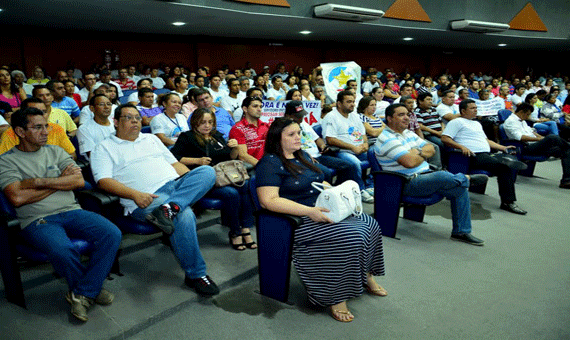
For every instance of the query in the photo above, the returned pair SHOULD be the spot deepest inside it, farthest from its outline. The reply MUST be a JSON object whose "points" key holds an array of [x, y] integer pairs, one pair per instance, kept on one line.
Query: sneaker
{"points": [[370, 191], [104, 298], [79, 305], [203, 285], [162, 217], [366, 197]]}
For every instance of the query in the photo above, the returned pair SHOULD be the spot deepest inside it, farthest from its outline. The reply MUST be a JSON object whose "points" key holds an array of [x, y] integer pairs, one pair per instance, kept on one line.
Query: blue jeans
{"points": [[546, 128], [344, 169], [355, 161], [453, 187], [237, 207], [184, 191], [51, 235]]}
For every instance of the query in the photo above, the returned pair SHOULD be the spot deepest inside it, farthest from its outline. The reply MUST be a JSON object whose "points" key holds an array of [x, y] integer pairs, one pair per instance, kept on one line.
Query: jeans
{"points": [[184, 191], [453, 187], [237, 207], [555, 146], [545, 128], [345, 170], [51, 235], [355, 161]]}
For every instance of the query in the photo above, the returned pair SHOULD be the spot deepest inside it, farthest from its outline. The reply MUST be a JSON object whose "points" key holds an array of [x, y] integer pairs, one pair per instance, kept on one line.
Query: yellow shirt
{"points": [[63, 119], [56, 136]]}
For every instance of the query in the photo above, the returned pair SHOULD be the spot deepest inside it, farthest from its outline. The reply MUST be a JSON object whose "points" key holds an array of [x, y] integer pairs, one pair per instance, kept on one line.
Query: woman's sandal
{"points": [[378, 292], [237, 246], [251, 244], [344, 312]]}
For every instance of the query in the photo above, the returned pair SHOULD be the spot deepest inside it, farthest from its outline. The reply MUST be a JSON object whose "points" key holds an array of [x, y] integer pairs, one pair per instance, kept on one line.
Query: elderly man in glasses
{"points": [[154, 186]]}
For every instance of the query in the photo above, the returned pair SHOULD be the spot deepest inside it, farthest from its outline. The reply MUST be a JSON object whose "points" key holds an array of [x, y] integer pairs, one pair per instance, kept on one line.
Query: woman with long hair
{"points": [[336, 261], [10, 92], [204, 145], [372, 123]]}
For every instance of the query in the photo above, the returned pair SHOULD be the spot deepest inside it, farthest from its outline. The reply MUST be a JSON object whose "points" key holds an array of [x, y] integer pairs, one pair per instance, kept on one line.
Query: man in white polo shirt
{"points": [[154, 186], [98, 128]]}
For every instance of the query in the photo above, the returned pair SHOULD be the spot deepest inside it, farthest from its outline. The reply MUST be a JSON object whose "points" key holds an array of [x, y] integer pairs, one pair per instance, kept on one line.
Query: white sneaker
{"points": [[366, 197], [370, 191]]}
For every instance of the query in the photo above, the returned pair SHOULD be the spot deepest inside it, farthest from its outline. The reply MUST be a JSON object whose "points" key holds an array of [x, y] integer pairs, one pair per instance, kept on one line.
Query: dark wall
{"points": [[54, 49]]}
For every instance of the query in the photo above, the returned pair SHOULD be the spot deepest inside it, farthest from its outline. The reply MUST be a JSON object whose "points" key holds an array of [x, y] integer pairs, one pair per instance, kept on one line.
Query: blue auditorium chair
{"points": [[275, 234], [529, 160], [388, 197]]}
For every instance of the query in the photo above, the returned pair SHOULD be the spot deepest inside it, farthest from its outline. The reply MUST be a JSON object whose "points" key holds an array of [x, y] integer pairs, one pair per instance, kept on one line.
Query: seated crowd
{"points": [[152, 136]]}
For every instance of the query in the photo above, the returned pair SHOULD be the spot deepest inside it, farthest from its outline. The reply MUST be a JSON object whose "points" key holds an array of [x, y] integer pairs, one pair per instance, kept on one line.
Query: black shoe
{"points": [[161, 217], [477, 180], [467, 238], [565, 185], [203, 285], [513, 207]]}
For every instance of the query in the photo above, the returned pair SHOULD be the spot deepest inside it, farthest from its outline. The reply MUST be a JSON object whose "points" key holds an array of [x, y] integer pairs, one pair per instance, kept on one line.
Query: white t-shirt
{"points": [[443, 109], [237, 114], [181, 95], [516, 100], [217, 96], [368, 87], [90, 134], [144, 164], [308, 138], [171, 128], [86, 114], [381, 108], [3, 121], [277, 94], [349, 130], [134, 97], [158, 83], [468, 133], [515, 128], [84, 94], [230, 104], [119, 91]]}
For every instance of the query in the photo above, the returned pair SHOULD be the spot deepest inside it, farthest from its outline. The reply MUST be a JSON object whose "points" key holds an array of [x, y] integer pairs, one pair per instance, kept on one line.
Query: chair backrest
{"points": [[374, 165], [161, 91], [146, 129], [6, 206], [318, 130], [504, 114], [502, 133]]}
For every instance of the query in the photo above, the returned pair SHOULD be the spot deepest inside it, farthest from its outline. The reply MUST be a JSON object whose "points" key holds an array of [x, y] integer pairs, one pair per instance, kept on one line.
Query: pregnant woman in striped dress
{"points": [[336, 261]]}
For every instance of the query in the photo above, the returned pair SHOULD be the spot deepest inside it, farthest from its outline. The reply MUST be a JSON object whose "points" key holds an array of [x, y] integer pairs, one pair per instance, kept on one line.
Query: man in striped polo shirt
{"points": [[429, 120], [399, 149]]}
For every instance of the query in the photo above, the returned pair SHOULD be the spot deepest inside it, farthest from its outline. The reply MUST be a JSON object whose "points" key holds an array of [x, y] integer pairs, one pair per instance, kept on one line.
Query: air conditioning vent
{"points": [[478, 26], [341, 12]]}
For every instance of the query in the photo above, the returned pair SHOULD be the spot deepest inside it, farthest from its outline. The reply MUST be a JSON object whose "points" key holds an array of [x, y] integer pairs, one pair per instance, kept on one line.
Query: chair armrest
{"points": [[331, 150], [296, 221], [401, 176], [11, 221], [100, 197]]}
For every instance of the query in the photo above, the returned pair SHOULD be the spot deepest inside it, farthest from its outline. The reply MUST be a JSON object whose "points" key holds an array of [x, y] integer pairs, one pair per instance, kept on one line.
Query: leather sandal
{"points": [[249, 244], [236, 246], [378, 292], [334, 313]]}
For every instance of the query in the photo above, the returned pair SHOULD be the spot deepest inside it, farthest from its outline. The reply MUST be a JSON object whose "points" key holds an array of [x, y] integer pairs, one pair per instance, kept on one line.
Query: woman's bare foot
{"points": [[247, 239], [374, 288], [341, 313]]}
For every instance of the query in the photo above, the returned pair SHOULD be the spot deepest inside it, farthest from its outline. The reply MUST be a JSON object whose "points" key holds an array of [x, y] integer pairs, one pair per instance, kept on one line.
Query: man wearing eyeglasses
{"points": [[98, 128], [56, 134], [38, 180], [154, 186]]}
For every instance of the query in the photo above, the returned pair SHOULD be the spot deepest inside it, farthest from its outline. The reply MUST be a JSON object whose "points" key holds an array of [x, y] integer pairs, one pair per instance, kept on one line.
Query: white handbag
{"points": [[342, 200]]}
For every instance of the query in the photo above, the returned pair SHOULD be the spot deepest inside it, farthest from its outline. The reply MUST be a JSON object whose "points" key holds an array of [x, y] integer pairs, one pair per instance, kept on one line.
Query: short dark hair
{"points": [[422, 96], [119, 110], [20, 117], [464, 103], [144, 91], [250, 91], [340, 96], [444, 93], [51, 84], [92, 100], [524, 107], [199, 92], [37, 88], [231, 81], [405, 86], [349, 81], [27, 102], [274, 79], [520, 86], [247, 101], [392, 108], [177, 80], [143, 79]]}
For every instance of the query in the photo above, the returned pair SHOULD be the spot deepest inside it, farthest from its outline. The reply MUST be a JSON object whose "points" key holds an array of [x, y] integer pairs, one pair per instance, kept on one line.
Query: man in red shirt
{"points": [[124, 81], [250, 131]]}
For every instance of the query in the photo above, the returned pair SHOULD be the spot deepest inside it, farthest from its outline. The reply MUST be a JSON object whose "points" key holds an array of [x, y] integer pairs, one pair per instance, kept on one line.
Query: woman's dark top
{"points": [[216, 148], [270, 172]]}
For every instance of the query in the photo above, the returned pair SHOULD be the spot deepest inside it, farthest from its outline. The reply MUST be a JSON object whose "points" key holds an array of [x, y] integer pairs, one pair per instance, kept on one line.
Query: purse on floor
{"points": [[230, 173], [342, 201]]}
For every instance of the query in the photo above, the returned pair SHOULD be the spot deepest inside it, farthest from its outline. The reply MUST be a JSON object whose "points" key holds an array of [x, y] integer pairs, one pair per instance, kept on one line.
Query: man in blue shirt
{"points": [[224, 121], [60, 101]]}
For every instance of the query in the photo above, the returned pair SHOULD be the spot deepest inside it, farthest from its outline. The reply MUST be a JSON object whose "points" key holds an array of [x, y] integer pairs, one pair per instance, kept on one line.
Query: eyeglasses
{"points": [[107, 105], [129, 118], [38, 128]]}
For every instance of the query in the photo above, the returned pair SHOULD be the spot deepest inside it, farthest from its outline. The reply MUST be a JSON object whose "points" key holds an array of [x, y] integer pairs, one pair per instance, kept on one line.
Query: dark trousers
{"points": [[554, 146], [505, 175]]}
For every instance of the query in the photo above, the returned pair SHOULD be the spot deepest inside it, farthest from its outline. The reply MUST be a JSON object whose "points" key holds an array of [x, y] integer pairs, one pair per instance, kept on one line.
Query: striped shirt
{"points": [[376, 123], [390, 146], [429, 118]]}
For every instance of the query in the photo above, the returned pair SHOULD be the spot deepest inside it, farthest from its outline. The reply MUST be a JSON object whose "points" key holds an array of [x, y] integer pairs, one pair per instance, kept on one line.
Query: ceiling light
{"points": [[305, 32], [502, 45], [408, 38], [179, 23]]}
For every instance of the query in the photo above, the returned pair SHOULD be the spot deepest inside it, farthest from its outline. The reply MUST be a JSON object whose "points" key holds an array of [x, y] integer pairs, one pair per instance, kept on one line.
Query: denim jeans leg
{"points": [[230, 206], [356, 169], [185, 244], [193, 186], [453, 187], [52, 238]]}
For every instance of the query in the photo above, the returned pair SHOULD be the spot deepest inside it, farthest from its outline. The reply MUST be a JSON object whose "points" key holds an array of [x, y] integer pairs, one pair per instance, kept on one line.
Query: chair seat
{"points": [[534, 158], [423, 200], [131, 226], [210, 203]]}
